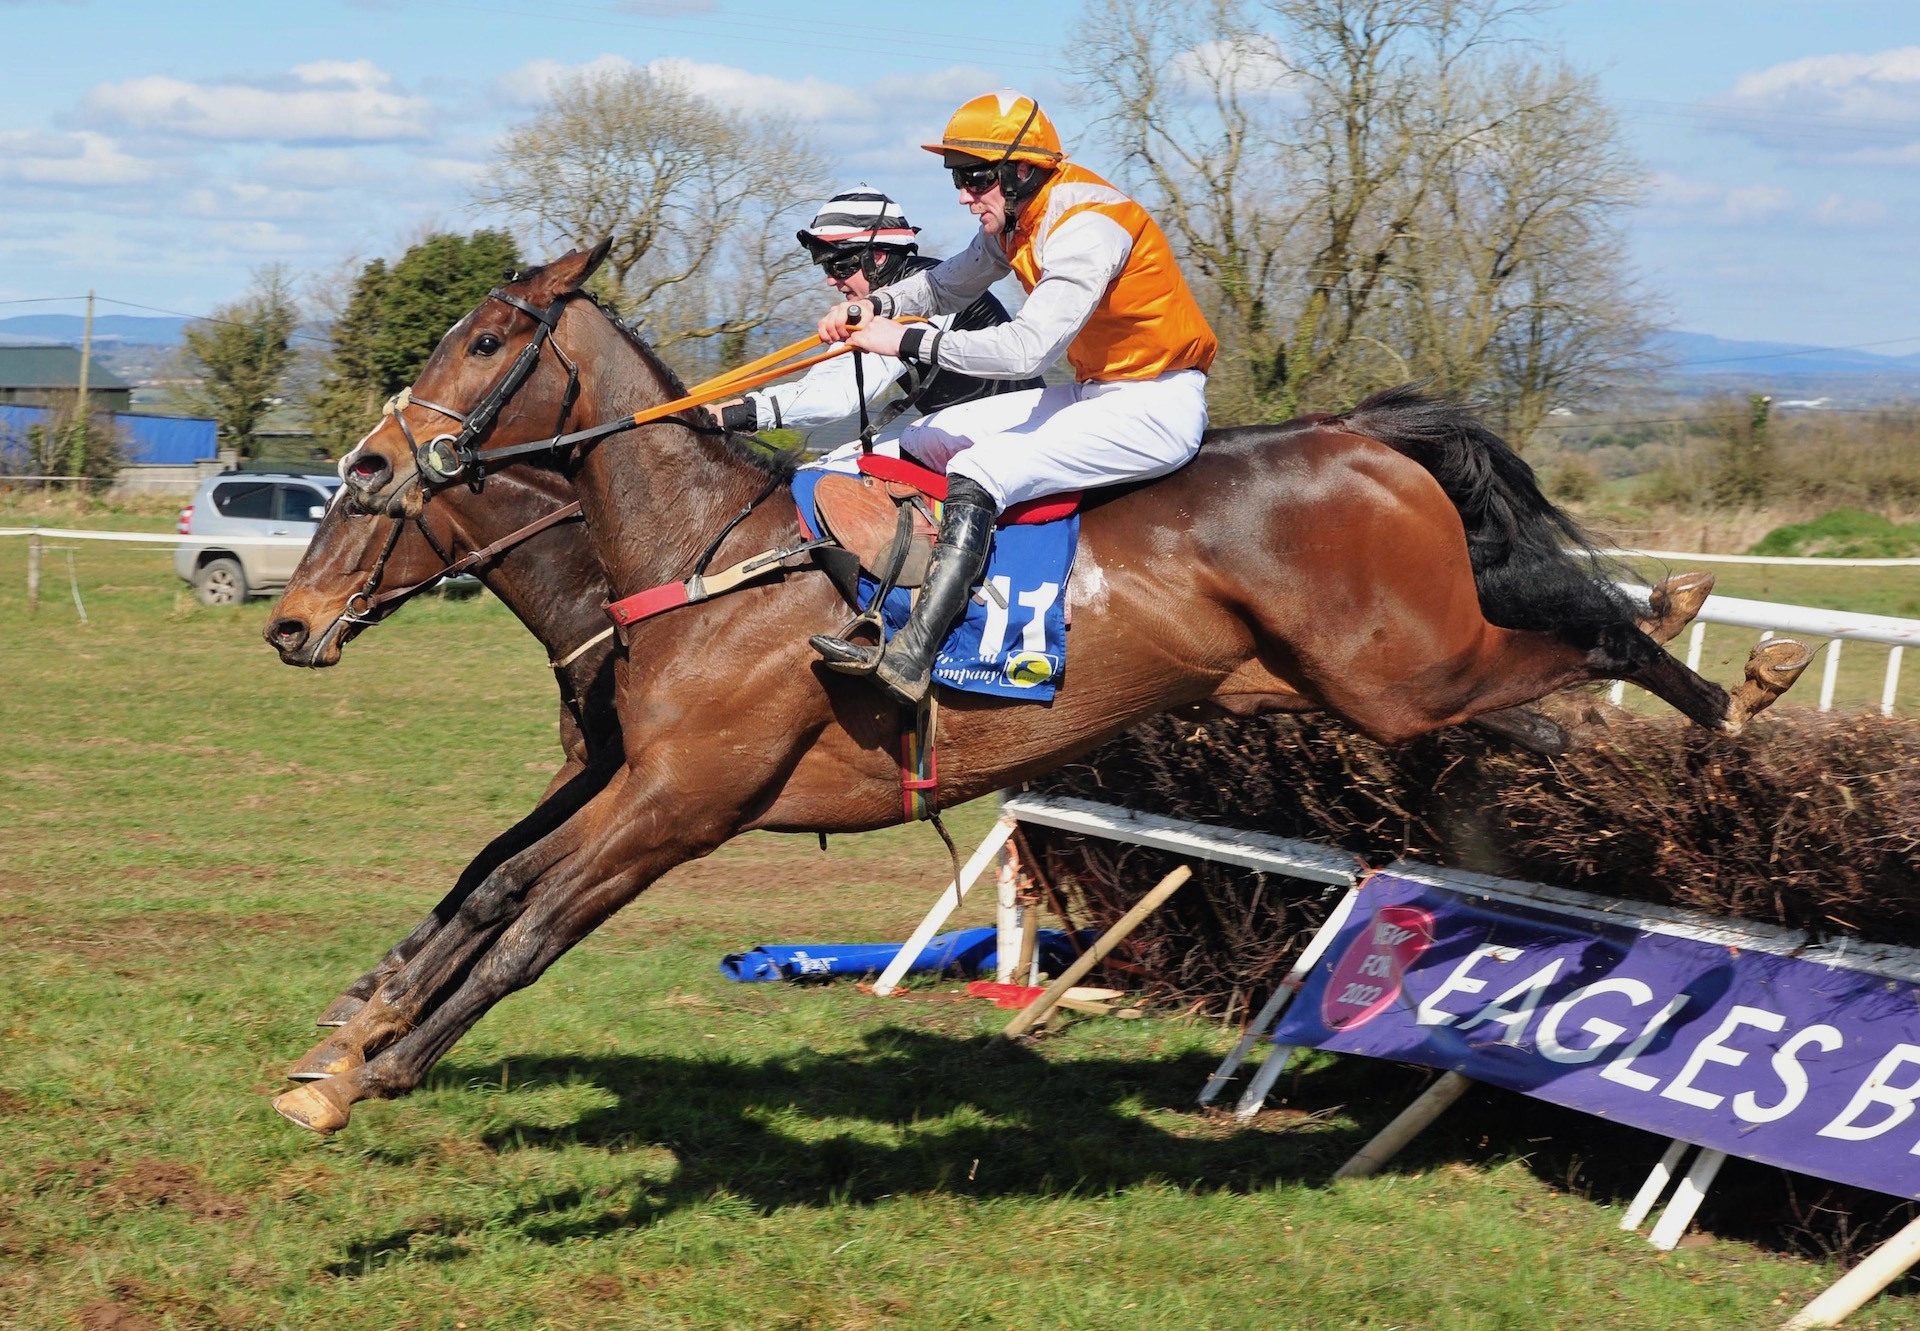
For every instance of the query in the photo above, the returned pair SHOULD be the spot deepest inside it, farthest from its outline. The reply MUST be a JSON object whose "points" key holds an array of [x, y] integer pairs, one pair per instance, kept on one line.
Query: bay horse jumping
{"points": [[526, 544], [1395, 564]]}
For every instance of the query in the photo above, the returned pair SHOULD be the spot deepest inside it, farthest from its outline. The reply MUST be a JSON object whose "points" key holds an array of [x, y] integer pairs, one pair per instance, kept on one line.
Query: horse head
{"points": [[498, 373], [360, 568]]}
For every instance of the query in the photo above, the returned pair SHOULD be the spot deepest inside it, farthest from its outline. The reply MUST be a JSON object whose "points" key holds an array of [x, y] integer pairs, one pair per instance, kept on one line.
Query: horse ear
{"points": [[567, 273], [595, 257]]}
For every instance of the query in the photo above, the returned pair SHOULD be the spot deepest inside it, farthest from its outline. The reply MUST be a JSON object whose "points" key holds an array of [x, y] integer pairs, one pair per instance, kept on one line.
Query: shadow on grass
{"points": [[908, 1112]]}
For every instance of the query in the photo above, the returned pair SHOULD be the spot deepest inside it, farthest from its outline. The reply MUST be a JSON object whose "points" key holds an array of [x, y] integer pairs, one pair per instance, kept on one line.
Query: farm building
{"points": [[36, 376]]}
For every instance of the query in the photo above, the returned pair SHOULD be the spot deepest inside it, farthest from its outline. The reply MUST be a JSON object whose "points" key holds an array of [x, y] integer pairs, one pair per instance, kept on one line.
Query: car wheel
{"points": [[220, 582]]}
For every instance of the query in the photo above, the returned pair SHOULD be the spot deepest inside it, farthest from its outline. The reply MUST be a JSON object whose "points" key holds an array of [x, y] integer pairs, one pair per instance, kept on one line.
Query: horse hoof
{"points": [[1771, 671], [314, 1108], [342, 1010], [1675, 602], [329, 1058], [1778, 663]]}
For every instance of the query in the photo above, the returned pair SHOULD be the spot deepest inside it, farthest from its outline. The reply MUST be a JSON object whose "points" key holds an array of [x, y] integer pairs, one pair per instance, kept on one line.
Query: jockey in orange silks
{"points": [[1103, 289]]}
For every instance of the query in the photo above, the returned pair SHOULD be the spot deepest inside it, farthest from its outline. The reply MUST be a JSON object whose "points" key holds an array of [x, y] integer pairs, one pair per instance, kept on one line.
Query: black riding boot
{"points": [[905, 664]]}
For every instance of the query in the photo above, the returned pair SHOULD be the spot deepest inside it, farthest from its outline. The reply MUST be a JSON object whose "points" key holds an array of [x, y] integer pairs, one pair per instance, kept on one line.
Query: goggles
{"points": [[840, 264], [976, 179]]}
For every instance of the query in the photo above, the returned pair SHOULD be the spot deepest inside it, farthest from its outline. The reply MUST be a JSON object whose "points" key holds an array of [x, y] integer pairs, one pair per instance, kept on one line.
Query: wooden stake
{"points": [[1881, 1268], [1415, 1117], [1112, 938]]}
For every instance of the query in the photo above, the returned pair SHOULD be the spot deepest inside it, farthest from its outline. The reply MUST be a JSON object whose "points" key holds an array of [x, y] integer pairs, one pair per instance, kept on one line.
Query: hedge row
{"points": [[1808, 821]]}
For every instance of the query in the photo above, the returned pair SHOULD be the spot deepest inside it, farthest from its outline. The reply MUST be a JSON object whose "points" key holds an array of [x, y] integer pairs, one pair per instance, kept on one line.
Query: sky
{"points": [[159, 153]]}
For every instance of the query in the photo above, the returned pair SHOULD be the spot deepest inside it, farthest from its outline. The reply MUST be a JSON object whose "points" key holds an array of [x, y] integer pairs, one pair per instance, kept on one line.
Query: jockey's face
{"points": [[854, 286], [990, 208]]}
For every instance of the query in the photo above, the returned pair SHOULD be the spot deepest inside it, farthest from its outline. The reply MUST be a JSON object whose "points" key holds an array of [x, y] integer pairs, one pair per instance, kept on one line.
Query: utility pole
{"points": [[77, 455]]}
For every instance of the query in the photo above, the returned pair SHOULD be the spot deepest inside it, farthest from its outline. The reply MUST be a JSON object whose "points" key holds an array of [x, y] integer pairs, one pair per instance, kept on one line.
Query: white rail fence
{"points": [[1838, 626]]}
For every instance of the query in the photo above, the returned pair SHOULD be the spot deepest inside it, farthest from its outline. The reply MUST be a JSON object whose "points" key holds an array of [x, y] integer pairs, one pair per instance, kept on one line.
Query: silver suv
{"points": [[224, 567]]}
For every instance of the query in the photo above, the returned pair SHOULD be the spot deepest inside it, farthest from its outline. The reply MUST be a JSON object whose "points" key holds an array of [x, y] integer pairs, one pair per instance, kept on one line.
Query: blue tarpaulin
{"points": [[974, 951], [166, 440]]}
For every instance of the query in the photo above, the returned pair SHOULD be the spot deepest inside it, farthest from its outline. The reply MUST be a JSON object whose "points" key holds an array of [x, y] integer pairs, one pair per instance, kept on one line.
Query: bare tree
{"points": [[690, 192], [1305, 153], [238, 357]]}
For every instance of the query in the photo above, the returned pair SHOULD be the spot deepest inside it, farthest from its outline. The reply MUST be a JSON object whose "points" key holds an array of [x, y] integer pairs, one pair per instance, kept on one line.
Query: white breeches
{"points": [[1043, 441]]}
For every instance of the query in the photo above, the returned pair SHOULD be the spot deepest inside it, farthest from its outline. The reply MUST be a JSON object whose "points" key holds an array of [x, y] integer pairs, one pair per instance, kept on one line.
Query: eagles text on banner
{"points": [[1804, 1064]]}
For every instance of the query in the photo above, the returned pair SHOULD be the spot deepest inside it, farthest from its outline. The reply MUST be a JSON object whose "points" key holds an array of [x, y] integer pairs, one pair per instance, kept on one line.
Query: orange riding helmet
{"points": [[1000, 126]]}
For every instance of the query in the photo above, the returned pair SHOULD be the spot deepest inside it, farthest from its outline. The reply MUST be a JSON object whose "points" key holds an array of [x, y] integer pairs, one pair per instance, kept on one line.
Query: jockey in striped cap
{"points": [[1104, 292], [862, 242]]}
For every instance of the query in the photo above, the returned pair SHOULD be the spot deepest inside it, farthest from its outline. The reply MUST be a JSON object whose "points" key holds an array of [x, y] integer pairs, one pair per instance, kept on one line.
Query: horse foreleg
{"points": [[628, 847], [571, 787]]}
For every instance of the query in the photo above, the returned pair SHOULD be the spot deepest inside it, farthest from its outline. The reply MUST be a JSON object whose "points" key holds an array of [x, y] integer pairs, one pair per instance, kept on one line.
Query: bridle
{"points": [[448, 457]]}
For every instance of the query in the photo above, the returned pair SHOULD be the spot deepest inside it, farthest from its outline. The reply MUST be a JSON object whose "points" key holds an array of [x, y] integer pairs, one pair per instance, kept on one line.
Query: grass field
{"points": [[201, 846]]}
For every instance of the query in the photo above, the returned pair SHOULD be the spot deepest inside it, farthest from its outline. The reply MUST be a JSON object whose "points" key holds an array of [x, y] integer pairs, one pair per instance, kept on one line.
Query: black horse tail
{"points": [[1534, 566]]}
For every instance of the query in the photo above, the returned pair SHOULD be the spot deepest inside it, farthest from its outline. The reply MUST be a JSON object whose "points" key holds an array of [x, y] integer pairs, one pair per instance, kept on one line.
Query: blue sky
{"points": [[159, 152]]}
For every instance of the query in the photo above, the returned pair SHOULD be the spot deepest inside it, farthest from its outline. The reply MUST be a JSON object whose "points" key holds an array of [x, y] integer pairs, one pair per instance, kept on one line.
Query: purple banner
{"points": [[1791, 1062]]}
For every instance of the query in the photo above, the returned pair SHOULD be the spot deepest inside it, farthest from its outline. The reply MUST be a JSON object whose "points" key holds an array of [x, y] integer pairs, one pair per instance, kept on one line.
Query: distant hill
{"points": [[1703, 353], [143, 330]]}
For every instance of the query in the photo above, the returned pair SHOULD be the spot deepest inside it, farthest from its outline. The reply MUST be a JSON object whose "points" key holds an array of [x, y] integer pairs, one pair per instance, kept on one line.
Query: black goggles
{"points": [[841, 264], [976, 179]]}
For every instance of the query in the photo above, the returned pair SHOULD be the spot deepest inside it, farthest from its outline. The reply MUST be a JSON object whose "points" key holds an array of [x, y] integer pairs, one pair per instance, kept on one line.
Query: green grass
{"points": [[1844, 533], [201, 846]]}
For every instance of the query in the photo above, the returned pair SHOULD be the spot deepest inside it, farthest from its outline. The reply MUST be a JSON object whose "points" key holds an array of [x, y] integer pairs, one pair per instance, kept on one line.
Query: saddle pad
{"points": [[1016, 652]]}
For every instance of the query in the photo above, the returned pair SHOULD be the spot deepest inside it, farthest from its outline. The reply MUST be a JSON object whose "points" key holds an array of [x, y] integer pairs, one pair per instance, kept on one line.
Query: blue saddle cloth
{"points": [[1016, 652]]}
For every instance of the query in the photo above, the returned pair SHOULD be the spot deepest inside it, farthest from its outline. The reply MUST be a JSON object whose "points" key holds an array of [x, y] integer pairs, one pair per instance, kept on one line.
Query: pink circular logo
{"points": [[1367, 978]]}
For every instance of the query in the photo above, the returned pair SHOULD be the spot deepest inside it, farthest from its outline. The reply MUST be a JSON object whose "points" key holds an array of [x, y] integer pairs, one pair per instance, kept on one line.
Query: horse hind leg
{"points": [[1771, 670], [1673, 603]]}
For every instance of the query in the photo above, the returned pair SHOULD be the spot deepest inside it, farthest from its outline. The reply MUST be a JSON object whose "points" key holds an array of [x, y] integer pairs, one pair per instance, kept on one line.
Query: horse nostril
{"points": [[368, 469], [287, 634]]}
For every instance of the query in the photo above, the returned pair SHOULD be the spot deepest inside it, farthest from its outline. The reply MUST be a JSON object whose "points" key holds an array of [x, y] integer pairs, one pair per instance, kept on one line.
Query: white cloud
{"points": [[313, 168], [1755, 203], [1678, 199], [262, 238], [325, 101], [1853, 108], [533, 83], [81, 158], [1251, 65], [1881, 85], [1837, 210]]}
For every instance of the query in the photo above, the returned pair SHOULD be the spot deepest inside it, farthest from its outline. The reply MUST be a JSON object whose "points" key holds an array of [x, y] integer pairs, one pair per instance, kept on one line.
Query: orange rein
{"points": [[774, 365]]}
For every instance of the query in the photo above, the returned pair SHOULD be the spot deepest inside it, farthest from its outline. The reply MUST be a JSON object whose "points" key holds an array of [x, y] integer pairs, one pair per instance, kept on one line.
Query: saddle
{"points": [[883, 518]]}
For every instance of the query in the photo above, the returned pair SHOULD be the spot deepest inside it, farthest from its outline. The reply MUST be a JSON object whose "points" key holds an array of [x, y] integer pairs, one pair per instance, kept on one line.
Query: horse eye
{"points": [[485, 344]]}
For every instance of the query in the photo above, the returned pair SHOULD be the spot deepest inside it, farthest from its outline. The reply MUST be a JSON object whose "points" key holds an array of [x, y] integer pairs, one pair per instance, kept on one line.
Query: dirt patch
{"points": [[109, 1315], [11, 1102], [162, 1183], [137, 1184]]}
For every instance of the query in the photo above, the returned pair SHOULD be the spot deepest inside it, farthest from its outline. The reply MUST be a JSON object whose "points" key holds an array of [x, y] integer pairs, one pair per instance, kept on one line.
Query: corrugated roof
{"points": [[51, 367]]}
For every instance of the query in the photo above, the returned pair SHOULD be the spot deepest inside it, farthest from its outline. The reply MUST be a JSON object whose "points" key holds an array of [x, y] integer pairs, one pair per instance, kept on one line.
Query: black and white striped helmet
{"points": [[858, 218]]}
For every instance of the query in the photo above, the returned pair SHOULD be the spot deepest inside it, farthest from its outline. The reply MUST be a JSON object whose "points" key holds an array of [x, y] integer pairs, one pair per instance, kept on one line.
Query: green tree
{"points": [[394, 318], [238, 357], [350, 395]]}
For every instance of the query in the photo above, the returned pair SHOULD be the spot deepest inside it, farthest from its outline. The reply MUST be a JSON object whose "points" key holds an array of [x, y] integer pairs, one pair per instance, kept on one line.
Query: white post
{"points": [[1893, 679], [943, 906], [1618, 693], [1412, 1120], [1830, 674], [1686, 1199], [1881, 1268], [1262, 1083], [1006, 915], [1696, 644], [1656, 1184]]}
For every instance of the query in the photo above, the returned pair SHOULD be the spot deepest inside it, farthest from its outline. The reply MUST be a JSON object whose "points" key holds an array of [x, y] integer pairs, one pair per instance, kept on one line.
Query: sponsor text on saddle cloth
{"points": [[1009, 645]]}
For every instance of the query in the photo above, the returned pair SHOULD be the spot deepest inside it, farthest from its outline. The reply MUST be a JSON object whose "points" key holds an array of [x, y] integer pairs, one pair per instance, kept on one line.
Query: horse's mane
{"points": [[778, 463]]}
